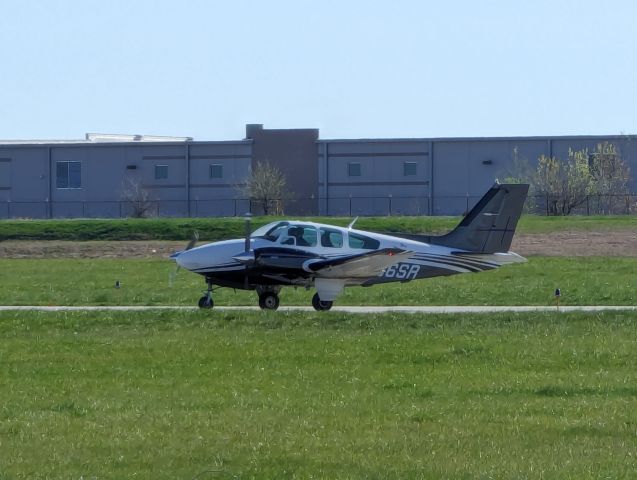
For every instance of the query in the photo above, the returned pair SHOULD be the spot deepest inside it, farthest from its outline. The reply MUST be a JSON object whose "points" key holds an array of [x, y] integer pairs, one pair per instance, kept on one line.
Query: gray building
{"points": [[101, 175]]}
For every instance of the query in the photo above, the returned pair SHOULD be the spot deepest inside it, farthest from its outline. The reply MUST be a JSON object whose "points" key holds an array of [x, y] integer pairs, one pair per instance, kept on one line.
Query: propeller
{"points": [[191, 244], [248, 230], [247, 257], [193, 240]]}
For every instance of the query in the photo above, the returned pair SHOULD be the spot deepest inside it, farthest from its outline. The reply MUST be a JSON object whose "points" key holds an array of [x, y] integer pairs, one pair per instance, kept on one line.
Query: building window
{"points": [[161, 172], [410, 169], [216, 171], [354, 169], [69, 174]]}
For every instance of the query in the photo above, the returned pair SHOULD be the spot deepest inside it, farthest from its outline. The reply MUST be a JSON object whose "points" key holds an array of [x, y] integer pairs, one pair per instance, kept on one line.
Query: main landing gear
{"points": [[319, 305], [269, 301], [268, 298]]}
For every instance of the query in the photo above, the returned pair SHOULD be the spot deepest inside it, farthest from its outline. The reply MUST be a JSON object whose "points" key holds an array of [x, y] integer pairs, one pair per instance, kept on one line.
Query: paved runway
{"points": [[347, 309]]}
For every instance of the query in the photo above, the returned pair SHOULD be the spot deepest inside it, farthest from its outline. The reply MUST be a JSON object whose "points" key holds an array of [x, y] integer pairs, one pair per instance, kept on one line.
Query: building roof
{"points": [[103, 138]]}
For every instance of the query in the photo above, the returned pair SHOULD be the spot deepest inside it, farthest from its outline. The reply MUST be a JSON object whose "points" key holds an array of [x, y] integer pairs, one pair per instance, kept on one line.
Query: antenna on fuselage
{"points": [[351, 224]]}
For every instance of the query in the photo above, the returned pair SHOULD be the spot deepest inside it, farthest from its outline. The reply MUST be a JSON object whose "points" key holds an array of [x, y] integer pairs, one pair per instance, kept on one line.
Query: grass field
{"points": [[315, 395], [222, 228], [583, 281], [273, 395]]}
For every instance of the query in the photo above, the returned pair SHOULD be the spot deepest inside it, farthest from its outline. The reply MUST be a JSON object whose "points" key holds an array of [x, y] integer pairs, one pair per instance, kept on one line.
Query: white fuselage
{"points": [[328, 241]]}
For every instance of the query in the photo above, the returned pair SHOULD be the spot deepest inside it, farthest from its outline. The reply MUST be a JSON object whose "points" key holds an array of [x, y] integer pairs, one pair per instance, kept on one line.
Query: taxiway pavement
{"points": [[343, 308]]}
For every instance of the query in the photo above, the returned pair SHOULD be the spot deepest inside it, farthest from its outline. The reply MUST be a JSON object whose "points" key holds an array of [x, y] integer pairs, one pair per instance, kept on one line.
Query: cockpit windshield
{"points": [[271, 231]]}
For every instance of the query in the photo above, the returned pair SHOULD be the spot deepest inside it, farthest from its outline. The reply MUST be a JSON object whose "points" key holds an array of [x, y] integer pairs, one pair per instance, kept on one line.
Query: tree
{"points": [[610, 175], [567, 183], [266, 187], [138, 198], [564, 183]]}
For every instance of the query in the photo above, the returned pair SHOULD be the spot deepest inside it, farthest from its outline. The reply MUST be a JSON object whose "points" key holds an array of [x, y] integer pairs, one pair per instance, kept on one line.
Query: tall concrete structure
{"points": [[294, 153], [95, 177]]}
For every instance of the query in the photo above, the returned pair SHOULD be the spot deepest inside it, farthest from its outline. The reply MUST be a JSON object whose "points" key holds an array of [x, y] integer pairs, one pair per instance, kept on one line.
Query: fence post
{"points": [[547, 204], [390, 204], [588, 211], [350, 205]]}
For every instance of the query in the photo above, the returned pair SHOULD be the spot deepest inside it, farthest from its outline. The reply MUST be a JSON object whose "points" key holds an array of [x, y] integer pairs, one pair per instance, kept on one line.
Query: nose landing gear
{"points": [[206, 302]]}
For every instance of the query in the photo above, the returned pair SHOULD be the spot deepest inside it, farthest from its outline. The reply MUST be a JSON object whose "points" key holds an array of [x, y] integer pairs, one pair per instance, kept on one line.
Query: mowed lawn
{"points": [[277, 395], [582, 280], [217, 228]]}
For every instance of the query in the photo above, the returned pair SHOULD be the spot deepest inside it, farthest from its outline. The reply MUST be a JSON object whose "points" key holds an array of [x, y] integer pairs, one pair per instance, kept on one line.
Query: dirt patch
{"points": [[576, 243], [616, 243], [91, 249]]}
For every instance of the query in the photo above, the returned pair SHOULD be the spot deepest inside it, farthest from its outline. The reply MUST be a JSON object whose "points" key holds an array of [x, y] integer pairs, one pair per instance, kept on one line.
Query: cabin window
{"points": [[331, 238], [361, 241], [300, 236], [271, 231], [68, 174], [161, 172]]}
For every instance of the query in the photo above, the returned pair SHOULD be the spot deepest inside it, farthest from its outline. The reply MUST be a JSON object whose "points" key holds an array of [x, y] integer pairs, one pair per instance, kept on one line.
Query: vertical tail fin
{"points": [[490, 225]]}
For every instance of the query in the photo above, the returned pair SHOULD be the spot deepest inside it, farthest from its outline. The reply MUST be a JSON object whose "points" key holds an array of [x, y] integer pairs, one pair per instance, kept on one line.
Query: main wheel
{"points": [[269, 301], [319, 305], [206, 302]]}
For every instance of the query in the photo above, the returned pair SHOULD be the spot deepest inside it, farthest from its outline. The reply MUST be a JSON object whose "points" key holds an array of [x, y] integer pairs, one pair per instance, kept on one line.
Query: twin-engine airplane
{"points": [[330, 258]]}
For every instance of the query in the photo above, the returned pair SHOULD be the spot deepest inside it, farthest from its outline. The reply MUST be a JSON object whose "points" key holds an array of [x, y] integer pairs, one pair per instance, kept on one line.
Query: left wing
{"points": [[361, 265]]}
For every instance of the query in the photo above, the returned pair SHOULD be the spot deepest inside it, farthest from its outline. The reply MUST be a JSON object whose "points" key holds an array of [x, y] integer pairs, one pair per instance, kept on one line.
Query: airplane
{"points": [[329, 258]]}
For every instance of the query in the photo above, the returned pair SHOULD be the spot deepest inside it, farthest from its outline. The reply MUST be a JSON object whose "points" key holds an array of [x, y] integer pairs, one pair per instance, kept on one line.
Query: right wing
{"points": [[361, 265]]}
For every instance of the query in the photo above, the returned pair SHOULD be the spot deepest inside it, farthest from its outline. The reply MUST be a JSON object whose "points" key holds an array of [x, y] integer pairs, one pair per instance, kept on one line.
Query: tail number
{"points": [[401, 271]]}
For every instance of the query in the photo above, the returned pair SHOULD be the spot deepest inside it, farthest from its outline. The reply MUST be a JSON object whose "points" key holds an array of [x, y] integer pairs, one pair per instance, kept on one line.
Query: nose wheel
{"points": [[319, 305], [206, 302], [269, 301]]}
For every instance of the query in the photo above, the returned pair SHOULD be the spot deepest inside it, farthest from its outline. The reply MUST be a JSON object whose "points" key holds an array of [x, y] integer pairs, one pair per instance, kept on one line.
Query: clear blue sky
{"points": [[354, 69]]}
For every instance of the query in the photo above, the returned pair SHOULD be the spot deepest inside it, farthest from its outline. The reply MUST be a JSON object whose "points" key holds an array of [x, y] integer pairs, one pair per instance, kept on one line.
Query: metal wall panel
{"points": [[382, 180]]}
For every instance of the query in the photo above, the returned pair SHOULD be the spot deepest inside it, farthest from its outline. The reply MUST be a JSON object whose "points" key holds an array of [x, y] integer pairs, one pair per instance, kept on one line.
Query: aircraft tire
{"points": [[319, 305], [268, 301], [206, 302]]}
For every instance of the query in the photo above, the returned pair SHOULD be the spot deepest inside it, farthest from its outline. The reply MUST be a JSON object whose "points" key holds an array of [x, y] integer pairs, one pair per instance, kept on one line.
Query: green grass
{"points": [[539, 224], [583, 281], [222, 228], [270, 395]]}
